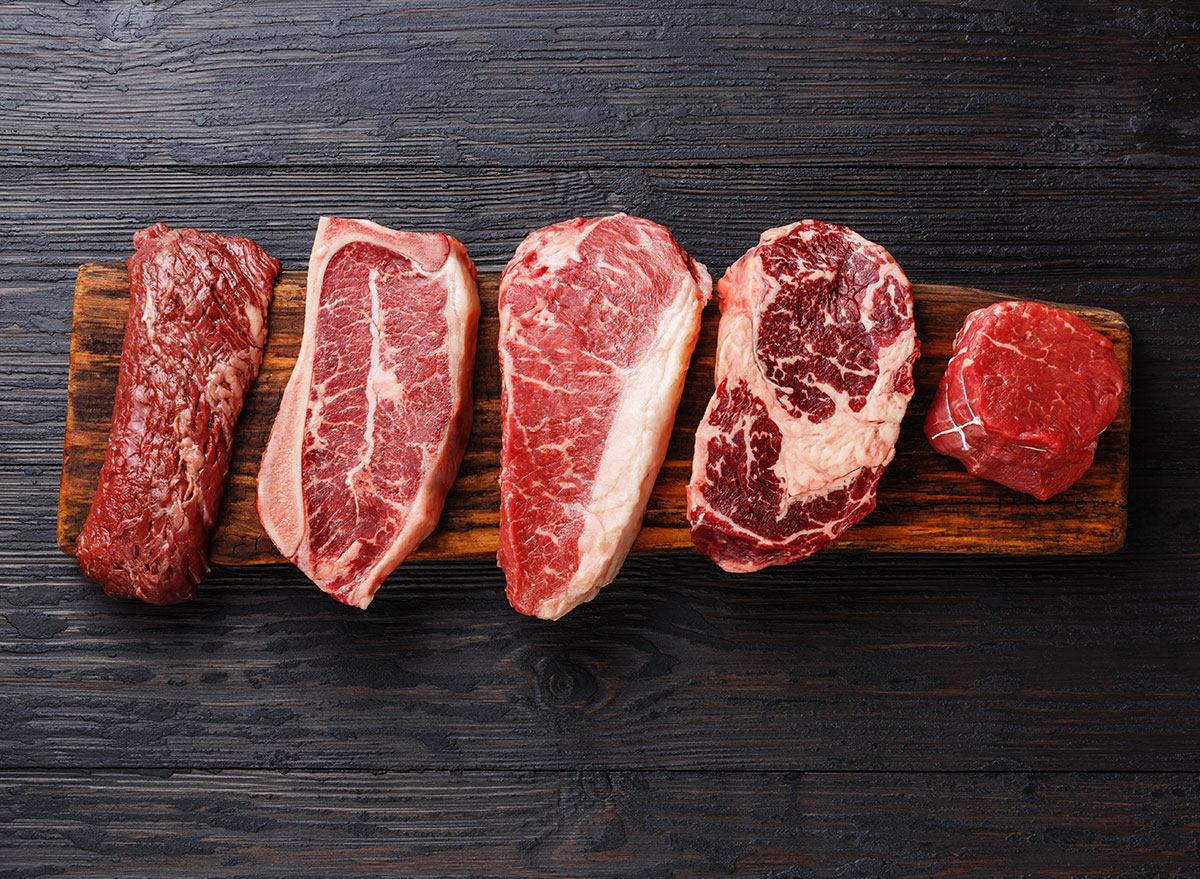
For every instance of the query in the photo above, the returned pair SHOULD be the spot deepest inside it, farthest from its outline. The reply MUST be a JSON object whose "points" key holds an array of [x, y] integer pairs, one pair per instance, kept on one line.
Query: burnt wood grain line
{"points": [[927, 502], [599, 824], [1047, 151], [476, 83], [981, 227], [852, 663]]}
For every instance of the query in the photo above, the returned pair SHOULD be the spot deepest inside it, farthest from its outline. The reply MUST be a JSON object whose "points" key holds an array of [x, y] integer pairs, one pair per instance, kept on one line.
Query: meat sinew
{"points": [[598, 319], [375, 418], [193, 344], [1026, 394], [815, 352]]}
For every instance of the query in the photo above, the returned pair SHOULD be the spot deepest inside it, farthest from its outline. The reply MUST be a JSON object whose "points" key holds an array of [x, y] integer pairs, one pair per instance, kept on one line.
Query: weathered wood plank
{"points": [[890, 662], [449, 117], [503, 85], [598, 824], [989, 228], [849, 663], [927, 502]]}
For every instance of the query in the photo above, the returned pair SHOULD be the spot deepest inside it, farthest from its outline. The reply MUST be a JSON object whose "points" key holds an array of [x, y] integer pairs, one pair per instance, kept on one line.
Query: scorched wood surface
{"points": [[854, 715], [927, 502]]}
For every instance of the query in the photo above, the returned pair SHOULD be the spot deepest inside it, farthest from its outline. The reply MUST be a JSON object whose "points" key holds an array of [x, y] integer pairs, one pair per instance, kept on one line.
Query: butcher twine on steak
{"points": [[193, 343], [815, 353], [598, 319], [1026, 394], [375, 418]]}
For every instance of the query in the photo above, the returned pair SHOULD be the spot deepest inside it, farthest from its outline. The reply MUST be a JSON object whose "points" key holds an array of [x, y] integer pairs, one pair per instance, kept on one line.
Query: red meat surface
{"points": [[598, 319], [815, 351], [1025, 396], [375, 418], [193, 344]]}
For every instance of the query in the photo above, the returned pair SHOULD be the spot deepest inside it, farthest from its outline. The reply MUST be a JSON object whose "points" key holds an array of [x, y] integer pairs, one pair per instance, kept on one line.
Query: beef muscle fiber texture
{"points": [[375, 418], [193, 344], [1027, 392], [598, 319], [815, 352]]}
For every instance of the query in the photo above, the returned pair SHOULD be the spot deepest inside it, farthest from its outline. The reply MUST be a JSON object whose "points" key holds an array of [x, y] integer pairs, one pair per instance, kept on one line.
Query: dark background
{"points": [[852, 715]]}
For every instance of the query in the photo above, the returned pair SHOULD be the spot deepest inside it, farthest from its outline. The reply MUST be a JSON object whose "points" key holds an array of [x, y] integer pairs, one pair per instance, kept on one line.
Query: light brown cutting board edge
{"points": [[927, 502]]}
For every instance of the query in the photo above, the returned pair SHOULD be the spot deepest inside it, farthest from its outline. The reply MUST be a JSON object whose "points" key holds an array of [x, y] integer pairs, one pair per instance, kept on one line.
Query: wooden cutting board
{"points": [[927, 502]]}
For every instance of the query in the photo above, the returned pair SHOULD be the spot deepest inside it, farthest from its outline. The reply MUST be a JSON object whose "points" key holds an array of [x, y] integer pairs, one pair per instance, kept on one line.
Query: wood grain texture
{"points": [[509, 84], [927, 502], [994, 228], [599, 824], [1046, 150], [856, 663]]}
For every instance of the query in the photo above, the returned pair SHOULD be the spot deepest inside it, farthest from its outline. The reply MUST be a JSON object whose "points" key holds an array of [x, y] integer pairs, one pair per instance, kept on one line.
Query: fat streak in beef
{"points": [[1025, 397], [815, 352], [598, 319], [193, 344], [375, 418]]}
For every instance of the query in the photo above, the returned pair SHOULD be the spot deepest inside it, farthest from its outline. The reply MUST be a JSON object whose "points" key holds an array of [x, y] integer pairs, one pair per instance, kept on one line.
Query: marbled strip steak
{"points": [[598, 319]]}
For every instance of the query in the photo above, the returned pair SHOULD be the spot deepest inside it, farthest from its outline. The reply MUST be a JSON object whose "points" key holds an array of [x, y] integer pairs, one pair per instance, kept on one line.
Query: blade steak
{"points": [[375, 418]]}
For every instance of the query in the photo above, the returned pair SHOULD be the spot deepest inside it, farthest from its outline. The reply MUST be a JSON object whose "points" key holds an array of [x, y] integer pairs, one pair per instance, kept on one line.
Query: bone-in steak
{"points": [[814, 372], [193, 344], [374, 421], [598, 319], [1025, 396]]}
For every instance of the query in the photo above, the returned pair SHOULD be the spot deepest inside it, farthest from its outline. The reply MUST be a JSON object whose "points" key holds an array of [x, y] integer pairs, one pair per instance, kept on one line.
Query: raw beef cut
{"points": [[375, 418], [598, 319], [193, 343], [1025, 396], [815, 351]]}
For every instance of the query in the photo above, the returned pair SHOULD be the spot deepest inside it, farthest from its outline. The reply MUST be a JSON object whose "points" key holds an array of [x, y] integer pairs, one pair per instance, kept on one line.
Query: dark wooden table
{"points": [[853, 715]]}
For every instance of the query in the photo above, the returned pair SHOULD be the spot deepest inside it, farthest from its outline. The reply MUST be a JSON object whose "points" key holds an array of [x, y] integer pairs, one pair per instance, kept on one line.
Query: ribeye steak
{"points": [[1026, 394], [375, 418], [193, 344], [598, 319], [815, 351]]}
